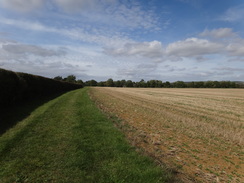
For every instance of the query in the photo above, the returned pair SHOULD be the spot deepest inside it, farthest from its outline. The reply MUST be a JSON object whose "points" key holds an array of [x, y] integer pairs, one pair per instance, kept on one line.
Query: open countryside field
{"points": [[68, 140], [198, 133]]}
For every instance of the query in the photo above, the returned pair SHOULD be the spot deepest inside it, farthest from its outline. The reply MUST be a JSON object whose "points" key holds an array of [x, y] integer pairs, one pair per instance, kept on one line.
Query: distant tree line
{"points": [[69, 79], [153, 83]]}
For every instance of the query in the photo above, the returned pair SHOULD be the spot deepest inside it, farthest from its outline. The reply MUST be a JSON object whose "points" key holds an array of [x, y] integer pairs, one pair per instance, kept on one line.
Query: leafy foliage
{"points": [[160, 84], [16, 87]]}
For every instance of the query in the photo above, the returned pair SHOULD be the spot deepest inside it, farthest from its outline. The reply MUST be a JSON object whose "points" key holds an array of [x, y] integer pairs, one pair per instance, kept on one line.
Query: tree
{"points": [[142, 83], [80, 82], [199, 84], [110, 82], [70, 79], [216, 84], [159, 84], [151, 83], [129, 83], [91, 83], [167, 84], [58, 78], [101, 83], [179, 84], [123, 83], [117, 83], [209, 84]]}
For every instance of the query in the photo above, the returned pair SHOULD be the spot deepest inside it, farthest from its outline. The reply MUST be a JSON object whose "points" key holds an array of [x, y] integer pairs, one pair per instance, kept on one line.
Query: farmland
{"points": [[197, 133], [69, 140]]}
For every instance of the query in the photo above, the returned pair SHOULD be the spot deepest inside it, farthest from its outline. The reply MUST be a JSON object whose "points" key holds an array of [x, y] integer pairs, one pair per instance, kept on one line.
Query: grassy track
{"points": [[69, 140]]}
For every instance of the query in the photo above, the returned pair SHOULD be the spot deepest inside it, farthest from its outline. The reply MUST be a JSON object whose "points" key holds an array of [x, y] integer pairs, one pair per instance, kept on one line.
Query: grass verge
{"points": [[69, 140], [21, 110]]}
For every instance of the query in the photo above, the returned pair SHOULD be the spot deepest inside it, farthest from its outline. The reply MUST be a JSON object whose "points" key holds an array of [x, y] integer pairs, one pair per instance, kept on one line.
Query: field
{"points": [[68, 140], [197, 133]]}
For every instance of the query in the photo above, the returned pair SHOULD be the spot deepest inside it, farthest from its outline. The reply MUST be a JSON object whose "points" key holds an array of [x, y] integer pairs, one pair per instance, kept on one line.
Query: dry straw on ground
{"points": [[197, 132]]}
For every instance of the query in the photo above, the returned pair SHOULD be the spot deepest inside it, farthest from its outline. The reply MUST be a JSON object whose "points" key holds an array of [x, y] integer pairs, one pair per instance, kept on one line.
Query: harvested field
{"points": [[198, 133]]}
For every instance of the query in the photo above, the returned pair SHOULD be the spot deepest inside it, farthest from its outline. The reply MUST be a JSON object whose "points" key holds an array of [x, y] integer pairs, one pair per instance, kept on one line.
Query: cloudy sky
{"points": [[169, 40]]}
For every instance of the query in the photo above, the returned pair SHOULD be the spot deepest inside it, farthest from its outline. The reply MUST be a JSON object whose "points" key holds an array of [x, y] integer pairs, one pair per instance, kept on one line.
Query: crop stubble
{"points": [[196, 132]]}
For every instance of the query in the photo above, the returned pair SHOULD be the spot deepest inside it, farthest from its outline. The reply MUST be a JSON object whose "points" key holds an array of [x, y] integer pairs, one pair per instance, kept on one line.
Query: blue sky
{"points": [[169, 40]]}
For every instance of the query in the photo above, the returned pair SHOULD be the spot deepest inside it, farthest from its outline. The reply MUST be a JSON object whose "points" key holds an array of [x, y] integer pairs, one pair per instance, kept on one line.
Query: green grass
{"points": [[69, 140], [20, 110]]}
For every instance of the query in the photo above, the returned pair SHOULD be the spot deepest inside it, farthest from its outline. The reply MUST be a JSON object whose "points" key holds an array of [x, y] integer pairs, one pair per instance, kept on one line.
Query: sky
{"points": [[168, 40]]}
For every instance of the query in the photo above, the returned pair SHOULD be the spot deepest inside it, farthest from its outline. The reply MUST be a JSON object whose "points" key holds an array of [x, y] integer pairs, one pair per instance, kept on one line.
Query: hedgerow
{"points": [[16, 87]]}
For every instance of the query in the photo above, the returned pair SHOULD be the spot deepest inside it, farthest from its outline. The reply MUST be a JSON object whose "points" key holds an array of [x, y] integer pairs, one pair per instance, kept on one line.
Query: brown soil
{"points": [[196, 133]]}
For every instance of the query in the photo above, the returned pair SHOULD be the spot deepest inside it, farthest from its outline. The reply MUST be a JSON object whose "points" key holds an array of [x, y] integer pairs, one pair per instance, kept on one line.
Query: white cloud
{"points": [[136, 71], [218, 33], [47, 67], [12, 50], [21, 6], [23, 49], [233, 14], [133, 17], [236, 48], [97, 37], [232, 69], [232, 42], [72, 6], [193, 47], [49, 61], [225, 42], [77, 6], [27, 25], [113, 13], [152, 49]]}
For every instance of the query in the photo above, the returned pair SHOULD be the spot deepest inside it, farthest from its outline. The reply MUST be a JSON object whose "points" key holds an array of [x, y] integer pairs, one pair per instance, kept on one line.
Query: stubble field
{"points": [[196, 133]]}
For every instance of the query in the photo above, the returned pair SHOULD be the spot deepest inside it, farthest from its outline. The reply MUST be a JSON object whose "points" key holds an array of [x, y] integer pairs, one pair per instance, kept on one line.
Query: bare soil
{"points": [[197, 133]]}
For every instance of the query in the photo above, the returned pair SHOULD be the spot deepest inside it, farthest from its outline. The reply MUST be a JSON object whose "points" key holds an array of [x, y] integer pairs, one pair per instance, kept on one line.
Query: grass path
{"points": [[69, 140]]}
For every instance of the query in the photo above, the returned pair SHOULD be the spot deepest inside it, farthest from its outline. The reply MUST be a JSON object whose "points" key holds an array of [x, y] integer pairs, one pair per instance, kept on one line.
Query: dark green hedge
{"points": [[16, 87]]}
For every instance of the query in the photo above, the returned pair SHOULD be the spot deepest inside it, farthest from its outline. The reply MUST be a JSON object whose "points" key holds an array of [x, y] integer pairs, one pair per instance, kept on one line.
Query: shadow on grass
{"points": [[11, 115]]}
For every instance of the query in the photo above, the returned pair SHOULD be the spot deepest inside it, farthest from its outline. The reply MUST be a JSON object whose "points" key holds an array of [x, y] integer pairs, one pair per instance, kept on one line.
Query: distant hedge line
{"points": [[16, 87]]}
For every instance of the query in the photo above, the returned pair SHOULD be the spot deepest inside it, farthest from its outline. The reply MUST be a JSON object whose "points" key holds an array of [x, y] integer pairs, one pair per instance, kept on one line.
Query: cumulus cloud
{"points": [[193, 47], [12, 50], [223, 42], [236, 48], [21, 6], [233, 43]]}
